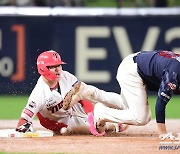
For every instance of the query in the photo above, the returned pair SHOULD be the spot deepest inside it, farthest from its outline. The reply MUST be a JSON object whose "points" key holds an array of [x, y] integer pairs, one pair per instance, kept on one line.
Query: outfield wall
{"points": [[91, 41]]}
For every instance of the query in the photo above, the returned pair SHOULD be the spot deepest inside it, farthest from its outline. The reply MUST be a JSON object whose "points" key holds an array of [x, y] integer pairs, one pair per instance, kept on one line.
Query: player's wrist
{"points": [[26, 127], [161, 128]]}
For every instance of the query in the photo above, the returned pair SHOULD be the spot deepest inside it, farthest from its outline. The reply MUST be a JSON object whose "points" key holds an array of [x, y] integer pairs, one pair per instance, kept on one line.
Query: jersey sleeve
{"points": [[70, 78], [160, 110], [33, 106], [168, 85]]}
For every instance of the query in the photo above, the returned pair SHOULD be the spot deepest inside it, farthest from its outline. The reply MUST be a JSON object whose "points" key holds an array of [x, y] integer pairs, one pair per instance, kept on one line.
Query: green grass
{"points": [[101, 3], [12, 106], [127, 3], [172, 108]]}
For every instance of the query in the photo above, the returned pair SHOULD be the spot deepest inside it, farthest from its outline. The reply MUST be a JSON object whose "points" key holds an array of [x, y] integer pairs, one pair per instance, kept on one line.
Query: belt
{"points": [[134, 58]]}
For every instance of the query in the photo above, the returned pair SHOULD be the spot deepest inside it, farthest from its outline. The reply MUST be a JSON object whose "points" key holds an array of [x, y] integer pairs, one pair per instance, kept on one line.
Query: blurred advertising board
{"points": [[92, 45]]}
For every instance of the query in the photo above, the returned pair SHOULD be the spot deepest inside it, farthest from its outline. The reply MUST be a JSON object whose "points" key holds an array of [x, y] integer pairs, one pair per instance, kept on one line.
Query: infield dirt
{"points": [[136, 139]]}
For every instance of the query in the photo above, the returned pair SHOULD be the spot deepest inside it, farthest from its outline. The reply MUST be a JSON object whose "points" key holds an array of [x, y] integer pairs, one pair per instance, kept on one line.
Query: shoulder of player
{"points": [[38, 90], [66, 74]]}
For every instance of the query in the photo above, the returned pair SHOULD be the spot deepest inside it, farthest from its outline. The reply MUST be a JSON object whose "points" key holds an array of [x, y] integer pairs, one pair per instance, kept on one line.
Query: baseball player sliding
{"points": [[153, 70], [46, 99]]}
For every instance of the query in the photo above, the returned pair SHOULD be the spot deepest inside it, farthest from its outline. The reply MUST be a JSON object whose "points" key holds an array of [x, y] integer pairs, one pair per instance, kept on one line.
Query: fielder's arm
{"points": [[161, 128]]}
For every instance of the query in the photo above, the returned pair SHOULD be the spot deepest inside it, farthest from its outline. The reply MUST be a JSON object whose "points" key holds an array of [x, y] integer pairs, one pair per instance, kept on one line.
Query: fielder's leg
{"points": [[82, 91], [101, 123], [134, 92]]}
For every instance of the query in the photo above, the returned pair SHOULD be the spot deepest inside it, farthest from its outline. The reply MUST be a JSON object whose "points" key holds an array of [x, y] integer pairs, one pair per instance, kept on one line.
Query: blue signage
{"points": [[92, 46]]}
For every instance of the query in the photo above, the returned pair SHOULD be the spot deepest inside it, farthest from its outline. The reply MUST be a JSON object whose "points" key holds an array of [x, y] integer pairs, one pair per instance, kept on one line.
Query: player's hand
{"points": [[26, 127], [167, 136]]}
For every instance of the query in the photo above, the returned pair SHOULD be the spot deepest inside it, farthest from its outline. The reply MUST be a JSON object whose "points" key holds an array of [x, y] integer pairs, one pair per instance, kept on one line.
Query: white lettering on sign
{"points": [[122, 41], [6, 67], [172, 34], [124, 44], [84, 54], [151, 38]]}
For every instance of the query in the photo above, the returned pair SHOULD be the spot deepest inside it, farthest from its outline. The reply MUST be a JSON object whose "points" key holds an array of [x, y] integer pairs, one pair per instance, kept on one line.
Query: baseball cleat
{"points": [[67, 102], [92, 127], [100, 128], [122, 127], [111, 128], [98, 124]]}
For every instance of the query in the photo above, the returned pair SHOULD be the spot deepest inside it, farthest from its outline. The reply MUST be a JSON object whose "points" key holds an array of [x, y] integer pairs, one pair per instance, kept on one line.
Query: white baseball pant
{"points": [[131, 107]]}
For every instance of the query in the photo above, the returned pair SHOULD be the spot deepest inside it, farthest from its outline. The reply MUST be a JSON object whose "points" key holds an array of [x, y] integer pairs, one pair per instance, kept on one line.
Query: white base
{"points": [[10, 133]]}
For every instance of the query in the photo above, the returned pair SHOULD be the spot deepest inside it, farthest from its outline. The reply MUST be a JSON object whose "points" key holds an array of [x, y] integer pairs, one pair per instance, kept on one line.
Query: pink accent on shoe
{"points": [[92, 128], [120, 127]]}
